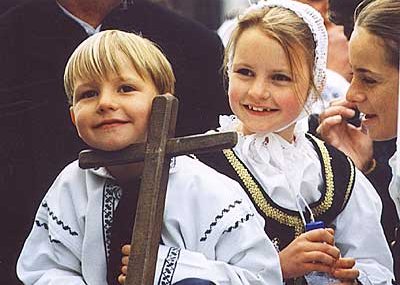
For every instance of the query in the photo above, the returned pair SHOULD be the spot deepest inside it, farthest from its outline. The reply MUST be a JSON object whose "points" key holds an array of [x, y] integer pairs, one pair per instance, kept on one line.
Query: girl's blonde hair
{"points": [[104, 53], [382, 18], [289, 30]]}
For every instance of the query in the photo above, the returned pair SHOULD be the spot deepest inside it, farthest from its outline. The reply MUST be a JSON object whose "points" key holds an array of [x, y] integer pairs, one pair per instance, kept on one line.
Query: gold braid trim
{"points": [[278, 215], [351, 179], [329, 184], [255, 192]]}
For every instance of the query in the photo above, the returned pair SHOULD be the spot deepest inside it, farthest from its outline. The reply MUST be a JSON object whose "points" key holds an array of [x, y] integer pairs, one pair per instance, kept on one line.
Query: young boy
{"points": [[210, 230]]}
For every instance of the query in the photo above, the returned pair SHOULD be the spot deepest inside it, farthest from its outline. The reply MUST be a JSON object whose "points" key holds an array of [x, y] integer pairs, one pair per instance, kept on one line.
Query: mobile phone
{"points": [[356, 119]]}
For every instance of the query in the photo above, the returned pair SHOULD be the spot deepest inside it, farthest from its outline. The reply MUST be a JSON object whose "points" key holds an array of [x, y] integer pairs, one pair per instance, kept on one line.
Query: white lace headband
{"points": [[315, 22]]}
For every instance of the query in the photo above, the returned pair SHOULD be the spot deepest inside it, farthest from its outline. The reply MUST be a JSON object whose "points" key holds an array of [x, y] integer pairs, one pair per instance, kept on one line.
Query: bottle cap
{"points": [[315, 225]]}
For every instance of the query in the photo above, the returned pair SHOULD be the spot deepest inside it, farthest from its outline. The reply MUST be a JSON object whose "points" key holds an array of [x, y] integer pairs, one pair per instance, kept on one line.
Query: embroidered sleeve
{"points": [[51, 254], [234, 224]]}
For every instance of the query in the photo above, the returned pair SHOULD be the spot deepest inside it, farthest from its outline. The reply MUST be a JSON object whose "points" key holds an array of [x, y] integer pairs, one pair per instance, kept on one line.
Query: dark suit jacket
{"points": [[38, 139]]}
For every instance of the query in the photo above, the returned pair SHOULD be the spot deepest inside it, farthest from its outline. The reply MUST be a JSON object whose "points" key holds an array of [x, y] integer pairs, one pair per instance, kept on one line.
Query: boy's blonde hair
{"points": [[289, 30], [105, 52]]}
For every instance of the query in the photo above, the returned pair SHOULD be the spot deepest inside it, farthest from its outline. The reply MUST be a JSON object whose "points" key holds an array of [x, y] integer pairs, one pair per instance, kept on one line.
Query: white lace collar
{"points": [[283, 169]]}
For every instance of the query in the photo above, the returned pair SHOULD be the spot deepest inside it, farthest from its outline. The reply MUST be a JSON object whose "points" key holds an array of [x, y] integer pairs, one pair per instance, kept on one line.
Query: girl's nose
{"points": [[259, 90]]}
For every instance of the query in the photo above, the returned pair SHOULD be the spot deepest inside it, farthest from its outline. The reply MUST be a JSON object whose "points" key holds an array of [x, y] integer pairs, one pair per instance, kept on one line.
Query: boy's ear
{"points": [[72, 114]]}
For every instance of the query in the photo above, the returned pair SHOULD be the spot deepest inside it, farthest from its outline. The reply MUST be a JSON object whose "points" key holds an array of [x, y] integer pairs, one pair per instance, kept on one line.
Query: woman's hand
{"points": [[351, 140]]}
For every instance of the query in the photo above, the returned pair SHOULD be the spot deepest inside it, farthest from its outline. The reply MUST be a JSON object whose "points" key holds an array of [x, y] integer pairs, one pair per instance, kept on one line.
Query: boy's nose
{"points": [[107, 102]]}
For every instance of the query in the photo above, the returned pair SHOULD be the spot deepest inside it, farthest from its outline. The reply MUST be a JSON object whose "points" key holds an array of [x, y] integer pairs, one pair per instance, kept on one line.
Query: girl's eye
{"points": [[244, 71], [281, 77], [126, 89]]}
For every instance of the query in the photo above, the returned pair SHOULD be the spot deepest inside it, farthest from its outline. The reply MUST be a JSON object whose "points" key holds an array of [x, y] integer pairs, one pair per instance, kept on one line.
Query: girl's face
{"points": [[375, 84], [262, 91]]}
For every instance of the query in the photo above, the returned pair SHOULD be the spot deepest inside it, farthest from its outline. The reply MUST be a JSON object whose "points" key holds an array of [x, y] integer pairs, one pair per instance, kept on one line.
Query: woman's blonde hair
{"points": [[382, 18], [289, 30], [104, 53]]}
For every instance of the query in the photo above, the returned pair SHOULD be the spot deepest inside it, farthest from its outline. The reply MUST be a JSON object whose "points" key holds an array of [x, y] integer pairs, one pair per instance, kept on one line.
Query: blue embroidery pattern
{"points": [[111, 195], [237, 223], [218, 217], [46, 226], [168, 270], [57, 220]]}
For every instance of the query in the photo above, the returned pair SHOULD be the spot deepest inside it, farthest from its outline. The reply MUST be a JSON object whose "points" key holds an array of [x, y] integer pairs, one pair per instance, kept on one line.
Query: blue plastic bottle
{"points": [[314, 277]]}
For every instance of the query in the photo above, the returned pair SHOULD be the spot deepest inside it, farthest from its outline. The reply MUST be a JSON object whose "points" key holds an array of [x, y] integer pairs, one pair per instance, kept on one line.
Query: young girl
{"points": [[275, 62]]}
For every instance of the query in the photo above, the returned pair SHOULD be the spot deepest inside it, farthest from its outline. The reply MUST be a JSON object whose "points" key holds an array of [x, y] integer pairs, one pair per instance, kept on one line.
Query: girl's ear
{"points": [[72, 114]]}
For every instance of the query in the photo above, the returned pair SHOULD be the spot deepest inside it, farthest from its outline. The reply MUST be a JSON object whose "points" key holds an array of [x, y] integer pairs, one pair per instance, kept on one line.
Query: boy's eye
{"points": [[126, 89], [87, 94], [281, 77], [244, 71]]}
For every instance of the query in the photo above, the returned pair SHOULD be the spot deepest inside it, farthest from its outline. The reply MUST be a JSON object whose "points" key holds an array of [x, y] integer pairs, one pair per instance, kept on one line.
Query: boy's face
{"points": [[114, 113]]}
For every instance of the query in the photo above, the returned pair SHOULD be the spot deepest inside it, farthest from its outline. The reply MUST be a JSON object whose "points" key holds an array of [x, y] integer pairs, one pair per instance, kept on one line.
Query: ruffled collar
{"points": [[254, 144], [282, 168]]}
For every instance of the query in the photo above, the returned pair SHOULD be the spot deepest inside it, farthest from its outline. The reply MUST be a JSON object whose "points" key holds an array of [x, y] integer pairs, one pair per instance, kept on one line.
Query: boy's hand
{"points": [[344, 271], [311, 251], [126, 249]]}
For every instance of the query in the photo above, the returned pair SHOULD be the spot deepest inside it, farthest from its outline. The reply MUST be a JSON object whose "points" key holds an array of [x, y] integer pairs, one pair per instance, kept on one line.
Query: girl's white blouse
{"points": [[283, 169], [286, 169]]}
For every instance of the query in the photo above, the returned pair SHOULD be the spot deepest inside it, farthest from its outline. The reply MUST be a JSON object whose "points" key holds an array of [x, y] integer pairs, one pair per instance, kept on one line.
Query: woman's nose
{"points": [[354, 94]]}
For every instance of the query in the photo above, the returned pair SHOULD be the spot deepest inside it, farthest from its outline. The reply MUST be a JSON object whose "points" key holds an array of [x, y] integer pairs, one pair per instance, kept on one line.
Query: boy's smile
{"points": [[111, 123], [112, 113]]}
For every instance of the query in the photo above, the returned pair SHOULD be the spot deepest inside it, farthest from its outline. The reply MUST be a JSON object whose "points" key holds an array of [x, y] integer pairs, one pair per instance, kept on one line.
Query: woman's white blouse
{"points": [[394, 188]]}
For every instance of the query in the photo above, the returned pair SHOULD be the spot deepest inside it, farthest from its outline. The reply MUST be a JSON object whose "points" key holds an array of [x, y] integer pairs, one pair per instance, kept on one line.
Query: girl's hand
{"points": [[126, 249], [344, 271], [311, 251], [353, 141]]}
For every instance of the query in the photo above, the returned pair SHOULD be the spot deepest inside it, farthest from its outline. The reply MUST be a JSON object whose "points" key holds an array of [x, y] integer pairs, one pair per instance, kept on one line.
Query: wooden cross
{"points": [[156, 154]]}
